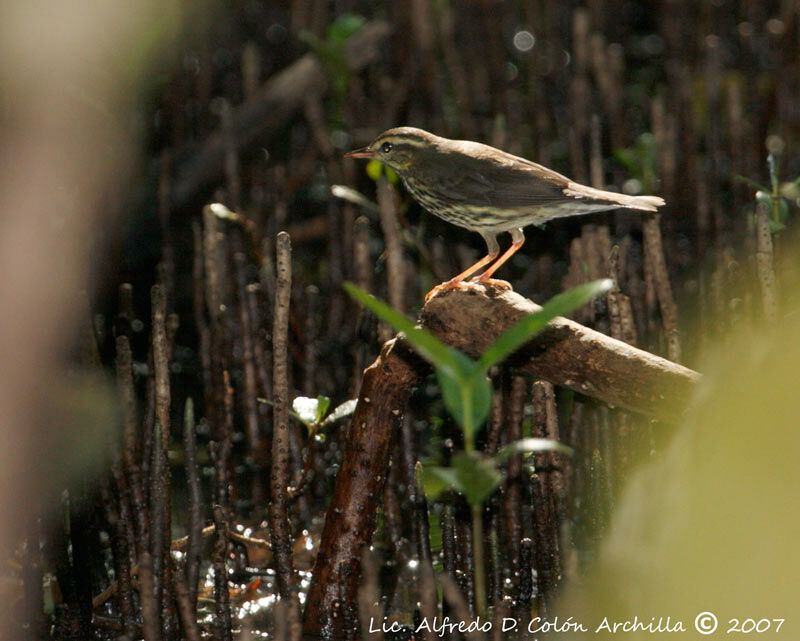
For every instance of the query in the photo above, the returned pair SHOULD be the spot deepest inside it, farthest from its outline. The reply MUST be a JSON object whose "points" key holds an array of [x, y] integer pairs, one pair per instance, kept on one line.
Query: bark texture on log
{"points": [[332, 603], [565, 353]]}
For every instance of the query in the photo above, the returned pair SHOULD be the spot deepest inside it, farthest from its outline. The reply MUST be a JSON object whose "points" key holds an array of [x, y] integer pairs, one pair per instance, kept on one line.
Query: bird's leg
{"points": [[517, 240], [459, 281]]}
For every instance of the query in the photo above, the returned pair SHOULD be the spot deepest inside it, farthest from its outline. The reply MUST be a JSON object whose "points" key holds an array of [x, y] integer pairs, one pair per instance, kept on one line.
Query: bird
{"points": [[488, 191]]}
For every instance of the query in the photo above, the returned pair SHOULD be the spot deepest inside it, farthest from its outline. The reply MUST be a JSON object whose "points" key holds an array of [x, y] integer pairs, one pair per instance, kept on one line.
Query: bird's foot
{"points": [[447, 286], [492, 283], [474, 284]]}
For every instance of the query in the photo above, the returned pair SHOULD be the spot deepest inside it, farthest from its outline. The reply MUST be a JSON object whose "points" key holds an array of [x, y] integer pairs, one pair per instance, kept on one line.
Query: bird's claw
{"points": [[491, 282], [447, 286], [473, 283]]}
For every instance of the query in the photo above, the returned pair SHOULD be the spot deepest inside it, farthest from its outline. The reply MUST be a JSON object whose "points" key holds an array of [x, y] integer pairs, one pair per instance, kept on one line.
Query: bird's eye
{"points": [[386, 147]]}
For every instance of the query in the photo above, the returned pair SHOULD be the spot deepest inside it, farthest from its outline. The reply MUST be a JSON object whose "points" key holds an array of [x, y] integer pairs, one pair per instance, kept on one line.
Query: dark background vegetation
{"points": [[252, 105]]}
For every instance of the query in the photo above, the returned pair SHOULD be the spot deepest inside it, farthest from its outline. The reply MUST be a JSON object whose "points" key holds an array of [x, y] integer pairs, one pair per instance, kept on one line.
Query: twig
{"points": [[186, 607], [125, 311], [123, 547], [525, 581], [222, 603], [161, 361], [199, 311], [369, 598], [159, 508], [362, 265], [280, 533], [620, 314], [195, 505], [427, 584], [221, 449], [249, 383], [765, 264], [512, 497], [127, 401], [213, 263], [150, 626], [459, 605], [160, 474], [669, 312], [387, 202]]}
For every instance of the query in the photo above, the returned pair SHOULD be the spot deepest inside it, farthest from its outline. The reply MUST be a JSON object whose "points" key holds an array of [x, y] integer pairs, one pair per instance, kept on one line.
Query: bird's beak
{"points": [[364, 152]]}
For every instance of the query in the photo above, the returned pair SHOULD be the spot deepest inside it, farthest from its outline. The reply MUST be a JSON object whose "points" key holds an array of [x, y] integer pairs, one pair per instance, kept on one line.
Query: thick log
{"points": [[565, 353]]}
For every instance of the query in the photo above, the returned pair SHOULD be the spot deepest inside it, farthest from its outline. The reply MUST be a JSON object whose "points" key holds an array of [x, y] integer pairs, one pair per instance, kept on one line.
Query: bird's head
{"points": [[399, 148]]}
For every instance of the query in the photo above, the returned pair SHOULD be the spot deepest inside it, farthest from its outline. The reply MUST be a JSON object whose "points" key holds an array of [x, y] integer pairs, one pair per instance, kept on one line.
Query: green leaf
{"points": [[764, 198], [531, 445], [640, 160], [374, 169], [468, 401], [526, 328], [429, 347], [783, 209], [627, 159], [341, 411], [391, 176], [344, 27], [306, 409], [323, 403], [775, 226], [476, 475], [435, 480], [470, 474], [752, 183]]}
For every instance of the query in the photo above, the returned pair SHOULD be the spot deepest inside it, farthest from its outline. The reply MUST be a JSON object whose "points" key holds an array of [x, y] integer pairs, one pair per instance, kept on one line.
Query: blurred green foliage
{"points": [[331, 52], [777, 196], [376, 169], [640, 161]]}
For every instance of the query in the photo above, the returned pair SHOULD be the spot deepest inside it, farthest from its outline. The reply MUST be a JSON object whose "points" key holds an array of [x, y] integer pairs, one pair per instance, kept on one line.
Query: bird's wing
{"points": [[505, 182], [486, 177]]}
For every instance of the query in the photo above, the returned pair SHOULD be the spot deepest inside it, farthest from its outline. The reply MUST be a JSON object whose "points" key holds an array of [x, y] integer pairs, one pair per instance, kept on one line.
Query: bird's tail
{"points": [[642, 203]]}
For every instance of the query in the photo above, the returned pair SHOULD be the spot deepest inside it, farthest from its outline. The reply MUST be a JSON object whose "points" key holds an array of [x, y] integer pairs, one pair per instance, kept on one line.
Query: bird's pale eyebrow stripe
{"points": [[407, 143]]}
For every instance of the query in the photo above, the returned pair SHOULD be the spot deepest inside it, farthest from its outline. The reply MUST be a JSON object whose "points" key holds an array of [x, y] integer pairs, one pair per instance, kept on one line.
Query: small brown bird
{"points": [[487, 190]]}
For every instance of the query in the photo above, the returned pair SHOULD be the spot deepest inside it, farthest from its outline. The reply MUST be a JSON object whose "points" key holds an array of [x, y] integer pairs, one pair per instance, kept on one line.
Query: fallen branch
{"points": [[566, 353]]}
